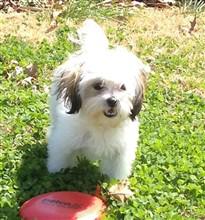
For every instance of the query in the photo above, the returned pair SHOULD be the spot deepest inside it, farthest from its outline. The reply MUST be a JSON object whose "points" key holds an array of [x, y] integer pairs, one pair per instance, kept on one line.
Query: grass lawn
{"points": [[168, 178]]}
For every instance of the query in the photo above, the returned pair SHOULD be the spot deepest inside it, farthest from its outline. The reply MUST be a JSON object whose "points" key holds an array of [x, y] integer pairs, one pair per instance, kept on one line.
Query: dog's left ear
{"points": [[140, 89], [68, 90]]}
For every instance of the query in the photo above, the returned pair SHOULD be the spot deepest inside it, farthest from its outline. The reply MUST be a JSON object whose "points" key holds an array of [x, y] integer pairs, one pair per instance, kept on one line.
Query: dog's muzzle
{"points": [[112, 111], [112, 101]]}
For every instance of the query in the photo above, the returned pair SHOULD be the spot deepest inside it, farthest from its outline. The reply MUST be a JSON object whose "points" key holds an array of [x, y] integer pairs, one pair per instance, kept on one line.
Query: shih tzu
{"points": [[95, 99]]}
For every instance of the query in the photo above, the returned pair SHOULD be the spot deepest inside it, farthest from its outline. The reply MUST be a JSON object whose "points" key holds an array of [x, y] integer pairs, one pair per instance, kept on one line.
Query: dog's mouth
{"points": [[110, 113]]}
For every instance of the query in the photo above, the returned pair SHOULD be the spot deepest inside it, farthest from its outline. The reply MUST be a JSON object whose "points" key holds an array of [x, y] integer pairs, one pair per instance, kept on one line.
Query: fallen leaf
{"points": [[73, 39], [193, 24], [18, 70], [54, 15], [27, 81], [160, 3], [98, 193], [120, 191], [14, 62], [46, 89], [32, 70], [137, 4]]}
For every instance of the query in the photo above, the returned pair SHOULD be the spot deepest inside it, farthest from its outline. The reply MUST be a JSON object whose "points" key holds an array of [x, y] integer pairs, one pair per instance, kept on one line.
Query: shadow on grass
{"points": [[34, 179]]}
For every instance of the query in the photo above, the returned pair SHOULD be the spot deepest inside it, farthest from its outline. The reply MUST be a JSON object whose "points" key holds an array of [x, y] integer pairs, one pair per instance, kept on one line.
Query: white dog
{"points": [[95, 98]]}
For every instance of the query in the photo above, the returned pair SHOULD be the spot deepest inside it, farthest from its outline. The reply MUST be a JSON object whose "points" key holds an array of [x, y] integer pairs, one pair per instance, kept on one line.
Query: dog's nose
{"points": [[112, 101]]}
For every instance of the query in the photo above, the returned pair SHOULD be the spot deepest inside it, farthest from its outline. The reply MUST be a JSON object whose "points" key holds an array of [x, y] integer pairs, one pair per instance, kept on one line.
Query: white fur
{"points": [[89, 132]]}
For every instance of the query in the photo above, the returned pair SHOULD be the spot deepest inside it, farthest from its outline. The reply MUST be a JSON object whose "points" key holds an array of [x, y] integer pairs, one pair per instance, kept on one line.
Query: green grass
{"points": [[168, 178]]}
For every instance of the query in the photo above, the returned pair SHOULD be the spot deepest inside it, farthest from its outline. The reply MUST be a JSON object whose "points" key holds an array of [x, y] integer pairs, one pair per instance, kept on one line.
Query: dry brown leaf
{"points": [[32, 70], [160, 3], [120, 191], [73, 39], [122, 3], [27, 81], [137, 4], [18, 70], [53, 25], [46, 89], [193, 24], [14, 62]]}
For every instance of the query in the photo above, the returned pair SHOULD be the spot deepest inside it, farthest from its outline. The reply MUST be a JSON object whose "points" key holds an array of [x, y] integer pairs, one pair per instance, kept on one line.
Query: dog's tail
{"points": [[92, 37]]}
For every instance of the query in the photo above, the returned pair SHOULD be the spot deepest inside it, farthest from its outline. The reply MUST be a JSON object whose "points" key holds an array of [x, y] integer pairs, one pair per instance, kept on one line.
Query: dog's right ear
{"points": [[144, 70], [68, 90]]}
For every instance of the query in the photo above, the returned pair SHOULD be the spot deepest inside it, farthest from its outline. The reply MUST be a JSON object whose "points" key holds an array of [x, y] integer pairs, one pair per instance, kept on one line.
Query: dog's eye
{"points": [[123, 87], [98, 86]]}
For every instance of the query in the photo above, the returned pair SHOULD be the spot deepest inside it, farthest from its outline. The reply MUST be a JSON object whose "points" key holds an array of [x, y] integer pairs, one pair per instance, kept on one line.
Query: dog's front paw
{"points": [[54, 165], [52, 168]]}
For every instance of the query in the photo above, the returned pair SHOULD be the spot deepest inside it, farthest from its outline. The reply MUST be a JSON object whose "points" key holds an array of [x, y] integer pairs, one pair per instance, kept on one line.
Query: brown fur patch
{"points": [[68, 90], [139, 97]]}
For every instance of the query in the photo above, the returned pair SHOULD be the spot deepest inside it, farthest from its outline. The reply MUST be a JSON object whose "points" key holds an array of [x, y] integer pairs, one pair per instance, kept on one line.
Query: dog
{"points": [[95, 98]]}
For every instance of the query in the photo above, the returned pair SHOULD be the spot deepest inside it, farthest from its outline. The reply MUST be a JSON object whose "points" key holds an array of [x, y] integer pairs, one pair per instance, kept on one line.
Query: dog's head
{"points": [[109, 87]]}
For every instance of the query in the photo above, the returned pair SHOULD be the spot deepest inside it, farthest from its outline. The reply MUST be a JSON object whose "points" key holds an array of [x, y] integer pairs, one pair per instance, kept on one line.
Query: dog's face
{"points": [[103, 98], [106, 90]]}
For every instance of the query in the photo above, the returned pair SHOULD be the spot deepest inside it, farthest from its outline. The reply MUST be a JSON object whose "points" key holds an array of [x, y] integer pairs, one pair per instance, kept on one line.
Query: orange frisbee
{"points": [[63, 205]]}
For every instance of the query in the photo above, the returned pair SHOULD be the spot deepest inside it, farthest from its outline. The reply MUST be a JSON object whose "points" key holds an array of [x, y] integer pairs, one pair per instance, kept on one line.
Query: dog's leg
{"points": [[60, 155], [56, 162], [119, 167]]}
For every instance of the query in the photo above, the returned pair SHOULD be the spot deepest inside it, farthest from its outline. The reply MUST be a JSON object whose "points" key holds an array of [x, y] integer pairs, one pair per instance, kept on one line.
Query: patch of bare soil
{"points": [[154, 23], [31, 27]]}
